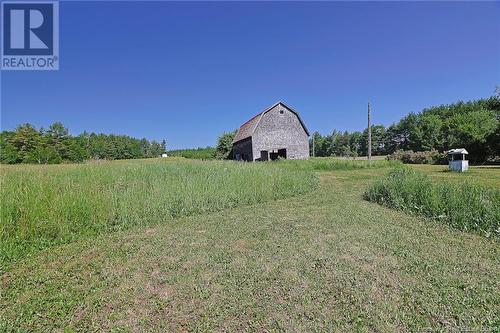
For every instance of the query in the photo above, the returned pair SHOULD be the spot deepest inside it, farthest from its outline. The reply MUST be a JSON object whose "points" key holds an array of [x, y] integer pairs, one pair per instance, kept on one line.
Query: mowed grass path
{"points": [[324, 261]]}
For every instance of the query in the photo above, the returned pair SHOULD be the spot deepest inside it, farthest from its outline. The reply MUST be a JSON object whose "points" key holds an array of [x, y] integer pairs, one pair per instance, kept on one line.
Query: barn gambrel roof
{"points": [[248, 128]]}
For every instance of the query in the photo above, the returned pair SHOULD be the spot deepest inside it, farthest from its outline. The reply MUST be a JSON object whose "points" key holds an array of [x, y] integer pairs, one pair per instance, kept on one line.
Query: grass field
{"points": [[486, 175], [46, 205], [465, 204], [321, 259]]}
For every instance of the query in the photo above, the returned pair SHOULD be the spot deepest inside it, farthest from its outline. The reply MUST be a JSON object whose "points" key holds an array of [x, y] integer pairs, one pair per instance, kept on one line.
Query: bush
{"points": [[466, 206], [419, 157]]}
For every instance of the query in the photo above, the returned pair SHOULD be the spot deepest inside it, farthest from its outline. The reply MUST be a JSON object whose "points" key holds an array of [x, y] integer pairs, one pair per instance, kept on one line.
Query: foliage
{"points": [[473, 125], [207, 153], [46, 205], [224, 148], [419, 157], [55, 145], [466, 206]]}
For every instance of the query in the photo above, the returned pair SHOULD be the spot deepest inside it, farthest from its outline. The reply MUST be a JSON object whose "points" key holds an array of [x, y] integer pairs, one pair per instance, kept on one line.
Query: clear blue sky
{"points": [[187, 72]]}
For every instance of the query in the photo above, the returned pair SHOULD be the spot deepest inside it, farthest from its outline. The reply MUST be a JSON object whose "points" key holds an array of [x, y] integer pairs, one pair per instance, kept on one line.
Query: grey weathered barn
{"points": [[277, 132]]}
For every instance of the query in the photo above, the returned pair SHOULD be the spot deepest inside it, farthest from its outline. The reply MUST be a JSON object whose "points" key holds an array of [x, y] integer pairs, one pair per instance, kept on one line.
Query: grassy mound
{"points": [[466, 206], [46, 205]]}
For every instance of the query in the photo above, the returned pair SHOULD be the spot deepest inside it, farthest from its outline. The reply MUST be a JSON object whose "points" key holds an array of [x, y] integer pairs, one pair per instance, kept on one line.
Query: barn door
{"points": [[264, 155]]}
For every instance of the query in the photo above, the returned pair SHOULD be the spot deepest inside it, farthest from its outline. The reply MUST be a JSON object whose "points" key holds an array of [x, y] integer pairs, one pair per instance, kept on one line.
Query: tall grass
{"points": [[466, 206], [330, 164], [46, 205]]}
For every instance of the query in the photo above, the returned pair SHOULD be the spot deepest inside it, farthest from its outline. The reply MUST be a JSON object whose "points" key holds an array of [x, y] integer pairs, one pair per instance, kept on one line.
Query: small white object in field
{"points": [[458, 160]]}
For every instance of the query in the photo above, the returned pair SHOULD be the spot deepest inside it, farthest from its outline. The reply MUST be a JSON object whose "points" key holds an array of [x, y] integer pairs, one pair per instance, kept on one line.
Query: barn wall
{"points": [[242, 150], [278, 131]]}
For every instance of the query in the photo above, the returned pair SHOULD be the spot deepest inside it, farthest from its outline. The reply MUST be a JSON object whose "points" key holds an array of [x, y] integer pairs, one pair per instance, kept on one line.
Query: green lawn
{"points": [[322, 261], [484, 175]]}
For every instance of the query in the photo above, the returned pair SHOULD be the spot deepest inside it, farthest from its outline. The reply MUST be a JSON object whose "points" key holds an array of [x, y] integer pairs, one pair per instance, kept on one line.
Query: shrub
{"points": [[419, 157], [466, 206]]}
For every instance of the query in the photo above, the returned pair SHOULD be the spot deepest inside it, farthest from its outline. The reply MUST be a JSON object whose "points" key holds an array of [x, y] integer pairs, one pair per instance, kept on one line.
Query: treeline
{"points": [[473, 125], [26, 144], [207, 153], [222, 151]]}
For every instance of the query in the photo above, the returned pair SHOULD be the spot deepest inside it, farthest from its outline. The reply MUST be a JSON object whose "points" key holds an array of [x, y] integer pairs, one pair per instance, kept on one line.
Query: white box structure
{"points": [[458, 160]]}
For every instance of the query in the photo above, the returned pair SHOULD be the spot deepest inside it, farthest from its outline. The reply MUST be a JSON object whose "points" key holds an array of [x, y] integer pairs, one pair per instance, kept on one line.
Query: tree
{"points": [[56, 137], [56, 145], [378, 141], [355, 143], [393, 140], [430, 129], [77, 148], [315, 143], [224, 146], [471, 131], [156, 149], [8, 152], [26, 140]]}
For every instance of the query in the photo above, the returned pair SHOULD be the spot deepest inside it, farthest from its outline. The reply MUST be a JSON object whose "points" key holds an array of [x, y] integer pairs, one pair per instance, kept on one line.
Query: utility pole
{"points": [[369, 133]]}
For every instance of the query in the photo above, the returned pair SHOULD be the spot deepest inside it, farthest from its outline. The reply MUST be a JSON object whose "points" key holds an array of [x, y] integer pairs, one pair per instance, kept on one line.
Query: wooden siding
{"points": [[280, 128]]}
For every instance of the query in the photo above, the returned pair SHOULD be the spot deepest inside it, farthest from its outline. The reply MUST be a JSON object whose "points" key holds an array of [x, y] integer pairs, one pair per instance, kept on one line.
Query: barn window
{"points": [[282, 111]]}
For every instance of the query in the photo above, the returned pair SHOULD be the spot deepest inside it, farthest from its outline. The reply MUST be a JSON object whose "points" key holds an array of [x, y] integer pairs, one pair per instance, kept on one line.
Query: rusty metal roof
{"points": [[248, 128]]}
